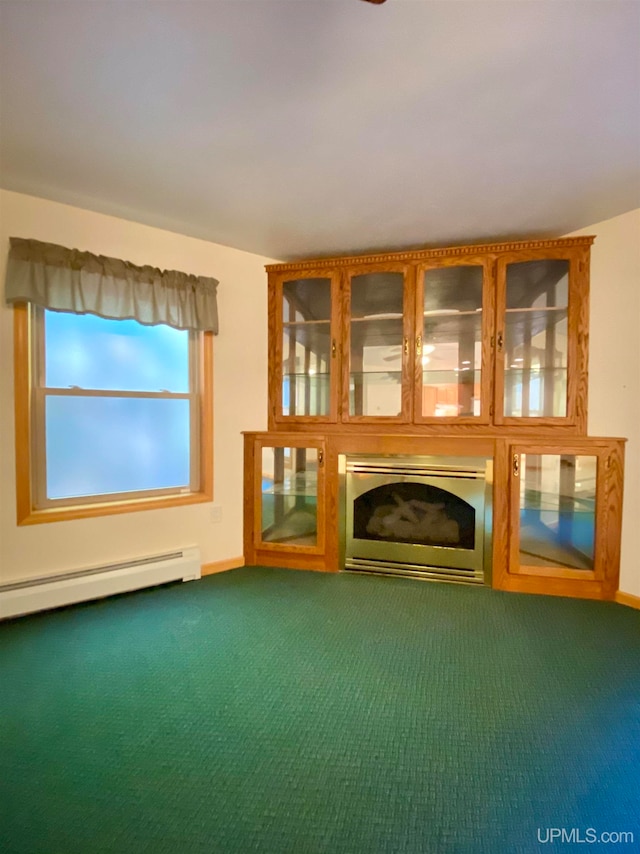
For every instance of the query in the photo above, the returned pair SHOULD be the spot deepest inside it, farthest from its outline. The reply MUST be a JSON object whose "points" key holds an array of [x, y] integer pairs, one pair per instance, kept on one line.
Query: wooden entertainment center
{"points": [[455, 353]]}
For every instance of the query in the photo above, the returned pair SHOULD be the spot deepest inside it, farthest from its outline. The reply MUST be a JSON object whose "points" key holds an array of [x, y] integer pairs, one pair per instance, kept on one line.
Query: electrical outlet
{"points": [[216, 513]]}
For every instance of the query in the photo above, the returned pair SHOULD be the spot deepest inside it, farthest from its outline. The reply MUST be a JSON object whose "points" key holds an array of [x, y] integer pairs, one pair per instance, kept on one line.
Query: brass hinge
{"points": [[516, 465]]}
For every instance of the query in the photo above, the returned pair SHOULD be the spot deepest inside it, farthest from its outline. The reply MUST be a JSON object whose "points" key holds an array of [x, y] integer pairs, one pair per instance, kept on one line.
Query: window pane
{"points": [[101, 445], [120, 355]]}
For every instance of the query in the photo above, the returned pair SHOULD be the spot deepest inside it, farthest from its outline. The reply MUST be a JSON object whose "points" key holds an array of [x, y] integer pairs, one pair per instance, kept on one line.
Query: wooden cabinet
{"points": [[304, 336], [558, 524], [285, 502], [454, 334], [542, 338], [466, 351], [377, 364], [483, 337]]}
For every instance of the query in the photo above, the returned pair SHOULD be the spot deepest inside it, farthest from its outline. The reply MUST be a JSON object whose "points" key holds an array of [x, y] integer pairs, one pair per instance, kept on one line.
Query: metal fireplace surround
{"points": [[426, 517]]}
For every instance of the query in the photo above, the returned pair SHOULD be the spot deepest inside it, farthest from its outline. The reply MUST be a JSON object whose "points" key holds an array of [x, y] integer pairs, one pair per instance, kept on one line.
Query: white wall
{"points": [[240, 395], [614, 364]]}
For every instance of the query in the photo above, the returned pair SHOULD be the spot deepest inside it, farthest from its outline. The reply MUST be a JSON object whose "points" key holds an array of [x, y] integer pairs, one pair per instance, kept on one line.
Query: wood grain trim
{"points": [[553, 587], [553, 571], [22, 410], [500, 279], [521, 432], [315, 563], [610, 515], [206, 417], [88, 511], [338, 357], [250, 499], [627, 599], [578, 392], [322, 264], [344, 330], [274, 380], [410, 359], [25, 513], [501, 509], [222, 565]]}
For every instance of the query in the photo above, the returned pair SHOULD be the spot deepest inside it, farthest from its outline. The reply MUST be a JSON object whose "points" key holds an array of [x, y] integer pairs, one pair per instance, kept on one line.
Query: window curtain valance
{"points": [[63, 279]]}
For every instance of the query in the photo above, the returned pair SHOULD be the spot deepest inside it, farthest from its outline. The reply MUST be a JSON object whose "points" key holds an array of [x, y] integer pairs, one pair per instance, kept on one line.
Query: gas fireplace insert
{"points": [[428, 517]]}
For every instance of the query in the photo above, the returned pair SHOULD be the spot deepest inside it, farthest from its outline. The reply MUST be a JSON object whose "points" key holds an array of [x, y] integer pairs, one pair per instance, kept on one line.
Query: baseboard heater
{"points": [[39, 594]]}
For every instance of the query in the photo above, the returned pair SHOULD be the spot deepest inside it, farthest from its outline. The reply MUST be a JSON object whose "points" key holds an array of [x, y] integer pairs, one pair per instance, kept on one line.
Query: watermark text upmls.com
{"points": [[584, 836]]}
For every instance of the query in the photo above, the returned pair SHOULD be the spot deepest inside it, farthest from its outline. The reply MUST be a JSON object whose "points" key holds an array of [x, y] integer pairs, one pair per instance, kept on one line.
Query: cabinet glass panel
{"points": [[536, 339], [290, 496], [452, 341], [306, 346], [557, 510], [376, 336]]}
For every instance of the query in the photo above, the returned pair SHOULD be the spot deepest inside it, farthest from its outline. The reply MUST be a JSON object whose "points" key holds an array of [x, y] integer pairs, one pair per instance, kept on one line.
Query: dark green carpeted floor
{"points": [[280, 711]]}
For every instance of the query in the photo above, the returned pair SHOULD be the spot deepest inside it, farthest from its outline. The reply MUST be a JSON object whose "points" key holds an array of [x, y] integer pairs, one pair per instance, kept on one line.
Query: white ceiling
{"points": [[306, 127]]}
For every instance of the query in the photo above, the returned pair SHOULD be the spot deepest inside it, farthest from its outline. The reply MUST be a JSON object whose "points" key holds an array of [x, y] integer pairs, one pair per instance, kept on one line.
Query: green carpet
{"points": [[278, 711]]}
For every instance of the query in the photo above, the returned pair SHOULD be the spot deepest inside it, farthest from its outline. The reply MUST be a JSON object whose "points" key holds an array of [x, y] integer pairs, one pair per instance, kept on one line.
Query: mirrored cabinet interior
{"points": [[555, 525], [307, 347], [454, 313], [483, 348], [376, 346], [542, 352]]}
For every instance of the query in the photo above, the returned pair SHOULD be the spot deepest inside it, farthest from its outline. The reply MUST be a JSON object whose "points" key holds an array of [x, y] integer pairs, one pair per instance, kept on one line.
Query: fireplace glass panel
{"points": [[536, 339], [289, 496], [306, 346], [557, 510], [416, 513], [376, 341], [452, 341]]}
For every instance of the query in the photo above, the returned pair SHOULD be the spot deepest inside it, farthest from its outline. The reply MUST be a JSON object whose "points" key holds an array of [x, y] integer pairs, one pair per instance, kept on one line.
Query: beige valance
{"points": [[63, 279]]}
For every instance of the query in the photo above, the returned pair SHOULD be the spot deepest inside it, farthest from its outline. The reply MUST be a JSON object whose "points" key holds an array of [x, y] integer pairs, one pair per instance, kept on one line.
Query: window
{"points": [[111, 415]]}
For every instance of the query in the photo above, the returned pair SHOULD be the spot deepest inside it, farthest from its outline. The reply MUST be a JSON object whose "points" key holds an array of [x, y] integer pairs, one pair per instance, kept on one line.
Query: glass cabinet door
{"points": [[558, 496], [536, 343], [306, 348], [557, 510], [375, 379], [454, 326], [290, 485]]}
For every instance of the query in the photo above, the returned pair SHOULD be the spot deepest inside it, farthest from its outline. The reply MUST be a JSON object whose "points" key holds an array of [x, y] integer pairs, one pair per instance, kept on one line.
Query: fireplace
{"points": [[427, 517]]}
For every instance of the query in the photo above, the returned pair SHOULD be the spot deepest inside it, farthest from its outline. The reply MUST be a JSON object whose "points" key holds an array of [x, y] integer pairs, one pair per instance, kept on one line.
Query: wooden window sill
{"points": [[88, 511]]}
